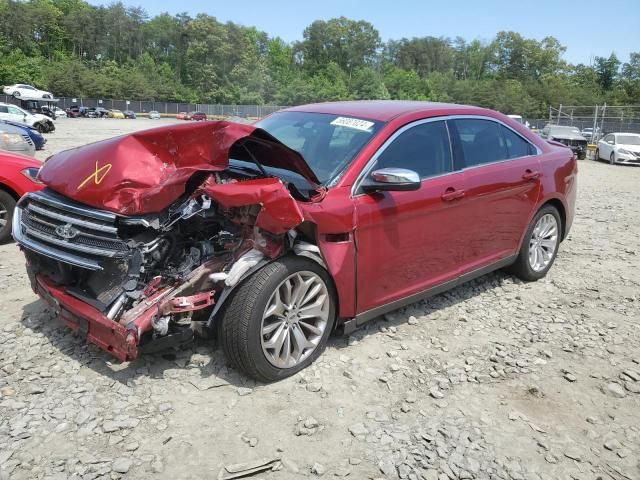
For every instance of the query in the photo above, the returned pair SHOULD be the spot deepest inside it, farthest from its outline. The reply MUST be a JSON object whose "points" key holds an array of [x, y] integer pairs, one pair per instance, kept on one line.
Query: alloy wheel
{"points": [[295, 319], [612, 158], [543, 242], [4, 216]]}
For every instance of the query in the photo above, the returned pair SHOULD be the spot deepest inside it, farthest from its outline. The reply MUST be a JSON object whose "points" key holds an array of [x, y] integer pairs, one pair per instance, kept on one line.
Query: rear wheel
{"points": [[597, 154], [7, 204], [16, 94], [278, 321], [42, 128], [540, 245]]}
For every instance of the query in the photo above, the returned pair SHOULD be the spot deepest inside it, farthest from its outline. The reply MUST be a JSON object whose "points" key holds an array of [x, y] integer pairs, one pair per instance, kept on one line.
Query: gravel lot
{"points": [[495, 379]]}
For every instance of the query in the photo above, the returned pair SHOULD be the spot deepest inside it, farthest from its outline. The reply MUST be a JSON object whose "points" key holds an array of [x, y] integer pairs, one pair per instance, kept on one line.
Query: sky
{"points": [[587, 28]]}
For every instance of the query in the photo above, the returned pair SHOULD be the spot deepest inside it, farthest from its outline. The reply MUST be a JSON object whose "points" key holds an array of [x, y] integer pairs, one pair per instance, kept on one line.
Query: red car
{"points": [[274, 234], [17, 177], [183, 116], [198, 116]]}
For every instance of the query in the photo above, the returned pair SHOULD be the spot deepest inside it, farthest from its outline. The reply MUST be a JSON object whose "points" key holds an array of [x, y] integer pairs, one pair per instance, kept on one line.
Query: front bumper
{"points": [[627, 159], [120, 341]]}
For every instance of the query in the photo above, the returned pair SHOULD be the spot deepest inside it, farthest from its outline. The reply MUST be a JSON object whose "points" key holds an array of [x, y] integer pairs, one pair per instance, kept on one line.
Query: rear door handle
{"points": [[531, 175], [451, 194]]}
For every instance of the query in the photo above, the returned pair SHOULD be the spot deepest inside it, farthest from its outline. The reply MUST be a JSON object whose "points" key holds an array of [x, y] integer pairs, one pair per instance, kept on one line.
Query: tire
{"points": [[597, 154], [16, 94], [7, 204], [612, 158], [240, 329], [41, 127], [522, 268]]}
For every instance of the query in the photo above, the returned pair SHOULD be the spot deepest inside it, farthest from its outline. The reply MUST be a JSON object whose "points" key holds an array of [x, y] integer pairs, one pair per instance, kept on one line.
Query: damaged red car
{"points": [[275, 234]]}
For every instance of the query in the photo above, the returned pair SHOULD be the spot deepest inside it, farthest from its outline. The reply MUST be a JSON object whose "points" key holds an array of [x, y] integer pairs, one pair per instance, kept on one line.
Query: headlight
{"points": [[624, 152], [11, 138], [32, 174]]}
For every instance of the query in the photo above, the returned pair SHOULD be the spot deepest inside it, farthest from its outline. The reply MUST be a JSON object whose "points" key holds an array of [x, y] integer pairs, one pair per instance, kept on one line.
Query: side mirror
{"points": [[391, 179], [611, 142]]}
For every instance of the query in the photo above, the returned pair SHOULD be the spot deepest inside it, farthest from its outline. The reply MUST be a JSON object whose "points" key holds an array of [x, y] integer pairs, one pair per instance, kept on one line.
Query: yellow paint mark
{"points": [[96, 176]]}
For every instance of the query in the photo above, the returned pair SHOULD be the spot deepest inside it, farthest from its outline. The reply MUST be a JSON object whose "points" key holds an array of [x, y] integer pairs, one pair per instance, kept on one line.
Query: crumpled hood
{"points": [[145, 172]]}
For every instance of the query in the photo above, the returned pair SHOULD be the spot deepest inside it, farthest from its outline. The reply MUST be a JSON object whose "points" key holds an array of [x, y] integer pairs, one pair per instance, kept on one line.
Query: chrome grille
{"points": [[67, 231]]}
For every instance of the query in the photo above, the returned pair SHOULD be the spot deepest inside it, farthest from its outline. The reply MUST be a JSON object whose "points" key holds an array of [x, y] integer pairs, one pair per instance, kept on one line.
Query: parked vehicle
{"points": [[59, 113], [129, 114], [254, 233], [36, 137], [588, 133], [16, 140], [74, 111], [13, 113], [183, 116], [517, 118], [569, 136], [619, 148], [89, 112], [114, 113], [102, 112], [198, 116], [20, 90], [154, 115], [17, 177]]}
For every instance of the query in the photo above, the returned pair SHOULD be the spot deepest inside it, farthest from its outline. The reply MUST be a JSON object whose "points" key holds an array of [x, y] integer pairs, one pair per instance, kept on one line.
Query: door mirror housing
{"points": [[391, 179]]}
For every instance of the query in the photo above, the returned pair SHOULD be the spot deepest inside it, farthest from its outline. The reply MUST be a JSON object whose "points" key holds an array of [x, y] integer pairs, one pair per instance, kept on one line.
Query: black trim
{"points": [[403, 302]]}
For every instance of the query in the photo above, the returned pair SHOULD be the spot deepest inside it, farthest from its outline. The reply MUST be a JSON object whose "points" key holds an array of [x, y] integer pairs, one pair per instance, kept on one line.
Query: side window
{"points": [[481, 141], [424, 149], [516, 145], [608, 138], [3, 109], [15, 111]]}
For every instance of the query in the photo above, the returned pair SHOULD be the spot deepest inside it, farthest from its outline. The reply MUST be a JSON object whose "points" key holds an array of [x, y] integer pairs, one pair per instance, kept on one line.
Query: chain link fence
{"points": [[166, 108], [601, 119]]}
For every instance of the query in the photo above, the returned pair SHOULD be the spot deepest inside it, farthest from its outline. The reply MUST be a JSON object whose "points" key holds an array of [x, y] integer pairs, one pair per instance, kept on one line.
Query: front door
{"points": [[406, 240]]}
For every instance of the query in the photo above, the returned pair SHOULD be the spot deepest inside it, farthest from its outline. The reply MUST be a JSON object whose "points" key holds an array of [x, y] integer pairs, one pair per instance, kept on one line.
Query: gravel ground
{"points": [[495, 379]]}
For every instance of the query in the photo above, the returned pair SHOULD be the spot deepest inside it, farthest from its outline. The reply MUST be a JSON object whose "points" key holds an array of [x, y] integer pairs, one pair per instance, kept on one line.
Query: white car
{"points": [[40, 122], [20, 90], [622, 148], [59, 113]]}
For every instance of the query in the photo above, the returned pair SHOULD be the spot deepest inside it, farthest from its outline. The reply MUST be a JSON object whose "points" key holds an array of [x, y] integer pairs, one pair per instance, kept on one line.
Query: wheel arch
{"points": [[6, 188]]}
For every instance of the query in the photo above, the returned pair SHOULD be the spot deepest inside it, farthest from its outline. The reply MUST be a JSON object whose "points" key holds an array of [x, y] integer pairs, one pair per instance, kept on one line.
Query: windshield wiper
{"points": [[254, 159]]}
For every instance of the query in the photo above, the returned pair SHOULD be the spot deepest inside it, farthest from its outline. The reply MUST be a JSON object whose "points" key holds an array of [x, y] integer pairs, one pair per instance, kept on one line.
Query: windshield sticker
{"points": [[356, 123]]}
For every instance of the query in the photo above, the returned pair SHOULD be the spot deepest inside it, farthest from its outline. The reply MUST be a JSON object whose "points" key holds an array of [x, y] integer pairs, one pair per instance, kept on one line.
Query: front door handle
{"points": [[531, 175], [451, 194]]}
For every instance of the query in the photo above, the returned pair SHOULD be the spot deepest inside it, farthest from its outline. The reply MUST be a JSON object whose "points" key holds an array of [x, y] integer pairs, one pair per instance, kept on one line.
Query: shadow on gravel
{"points": [[203, 355], [429, 306]]}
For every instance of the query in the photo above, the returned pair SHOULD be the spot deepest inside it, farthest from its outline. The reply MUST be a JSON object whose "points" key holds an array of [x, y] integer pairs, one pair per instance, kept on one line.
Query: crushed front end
{"points": [[146, 281]]}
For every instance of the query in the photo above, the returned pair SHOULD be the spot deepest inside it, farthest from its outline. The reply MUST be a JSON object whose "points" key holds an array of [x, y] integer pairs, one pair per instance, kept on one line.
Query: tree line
{"points": [[73, 48]]}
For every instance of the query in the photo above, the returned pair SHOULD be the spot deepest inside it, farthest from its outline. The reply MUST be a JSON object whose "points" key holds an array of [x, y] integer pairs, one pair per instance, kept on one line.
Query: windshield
{"points": [[628, 139], [327, 142]]}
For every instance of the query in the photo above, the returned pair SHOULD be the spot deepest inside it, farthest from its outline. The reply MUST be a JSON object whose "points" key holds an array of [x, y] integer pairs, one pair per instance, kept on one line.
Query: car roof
{"points": [[627, 133], [381, 110]]}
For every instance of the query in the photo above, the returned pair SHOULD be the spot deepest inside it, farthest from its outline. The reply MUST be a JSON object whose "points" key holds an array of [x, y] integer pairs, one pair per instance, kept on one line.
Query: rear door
{"points": [[502, 188]]}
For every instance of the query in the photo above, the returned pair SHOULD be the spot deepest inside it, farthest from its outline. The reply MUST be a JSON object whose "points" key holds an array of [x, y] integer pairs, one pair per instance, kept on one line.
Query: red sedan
{"points": [[274, 234], [17, 177], [198, 116]]}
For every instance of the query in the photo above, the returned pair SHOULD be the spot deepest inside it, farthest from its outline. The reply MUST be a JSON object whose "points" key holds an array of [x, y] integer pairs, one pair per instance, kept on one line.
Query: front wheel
{"points": [[597, 154], [278, 321], [540, 245], [42, 128], [7, 204], [16, 94], [612, 158]]}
